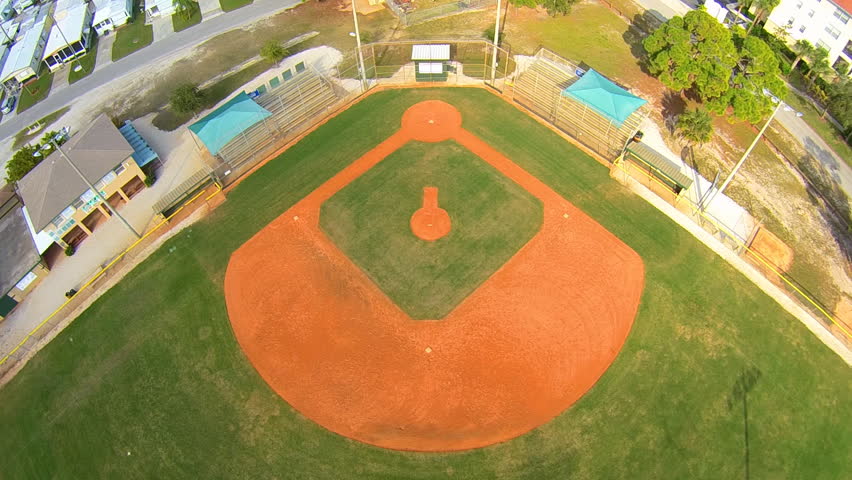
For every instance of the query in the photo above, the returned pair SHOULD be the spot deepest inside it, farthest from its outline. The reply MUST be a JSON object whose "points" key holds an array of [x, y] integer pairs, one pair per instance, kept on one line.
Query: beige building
{"points": [[21, 266], [59, 202]]}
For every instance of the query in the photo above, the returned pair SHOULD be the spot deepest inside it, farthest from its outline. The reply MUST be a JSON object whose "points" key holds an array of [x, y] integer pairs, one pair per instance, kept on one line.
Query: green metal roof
{"points": [[660, 163], [228, 121], [605, 97]]}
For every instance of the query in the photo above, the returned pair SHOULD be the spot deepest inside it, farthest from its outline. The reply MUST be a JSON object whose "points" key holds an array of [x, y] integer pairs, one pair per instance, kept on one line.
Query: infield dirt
{"points": [[517, 352]]}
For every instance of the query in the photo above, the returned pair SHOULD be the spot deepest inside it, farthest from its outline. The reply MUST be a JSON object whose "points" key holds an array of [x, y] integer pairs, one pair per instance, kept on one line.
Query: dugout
{"points": [[431, 62], [654, 170]]}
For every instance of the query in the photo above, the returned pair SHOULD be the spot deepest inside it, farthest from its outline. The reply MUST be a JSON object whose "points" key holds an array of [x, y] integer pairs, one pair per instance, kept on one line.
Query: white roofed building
{"points": [[71, 35], [111, 14], [25, 55], [824, 23], [155, 8]]}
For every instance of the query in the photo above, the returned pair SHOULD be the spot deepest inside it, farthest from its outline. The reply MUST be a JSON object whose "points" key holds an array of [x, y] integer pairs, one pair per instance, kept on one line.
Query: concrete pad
{"points": [[209, 9], [105, 50], [163, 27]]}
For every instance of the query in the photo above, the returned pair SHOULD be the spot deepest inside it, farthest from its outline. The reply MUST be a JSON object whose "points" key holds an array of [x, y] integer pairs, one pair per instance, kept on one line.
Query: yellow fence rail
{"points": [[103, 270], [619, 163]]}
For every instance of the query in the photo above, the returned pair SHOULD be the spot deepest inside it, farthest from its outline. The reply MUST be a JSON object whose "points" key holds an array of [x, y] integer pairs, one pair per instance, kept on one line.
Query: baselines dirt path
{"points": [[513, 355]]}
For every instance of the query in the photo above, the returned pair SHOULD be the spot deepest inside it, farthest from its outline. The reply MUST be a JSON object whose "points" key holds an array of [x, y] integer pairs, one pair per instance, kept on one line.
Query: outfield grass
{"points": [[150, 383], [492, 218], [132, 37], [87, 62], [35, 91], [179, 22]]}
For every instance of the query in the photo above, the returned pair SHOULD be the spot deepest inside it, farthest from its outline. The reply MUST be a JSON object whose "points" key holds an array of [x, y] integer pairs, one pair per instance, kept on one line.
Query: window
{"points": [[799, 4], [790, 22], [802, 29], [119, 169], [57, 221], [834, 32], [300, 67], [88, 196], [287, 75], [108, 178], [823, 45], [811, 13], [842, 16], [77, 204]]}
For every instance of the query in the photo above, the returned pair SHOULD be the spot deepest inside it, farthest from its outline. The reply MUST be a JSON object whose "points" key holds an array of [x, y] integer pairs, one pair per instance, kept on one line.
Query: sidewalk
{"points": [[180, 161]]}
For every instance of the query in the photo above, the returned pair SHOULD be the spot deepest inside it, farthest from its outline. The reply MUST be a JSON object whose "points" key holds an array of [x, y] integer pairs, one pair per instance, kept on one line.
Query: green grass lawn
{"points": [[228, 5], [169, 120], [132, 37], [23, 137], [149, 382], [35, 91], [87, 62], [492, 218], [179, 22]]}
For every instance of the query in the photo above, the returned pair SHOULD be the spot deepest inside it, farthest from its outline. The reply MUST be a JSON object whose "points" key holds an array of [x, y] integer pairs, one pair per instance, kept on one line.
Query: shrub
{"points": [[70, 250]]}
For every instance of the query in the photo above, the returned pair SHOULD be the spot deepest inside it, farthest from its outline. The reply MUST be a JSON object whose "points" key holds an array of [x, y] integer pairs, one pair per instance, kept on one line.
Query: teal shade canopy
{"points": [[226, 122], [605, 97]]}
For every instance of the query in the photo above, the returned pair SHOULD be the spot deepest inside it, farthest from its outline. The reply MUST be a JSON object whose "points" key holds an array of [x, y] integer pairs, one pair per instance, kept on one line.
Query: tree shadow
{"points": [[820, 168], [640, 27], [744, 384], [672, 106]]}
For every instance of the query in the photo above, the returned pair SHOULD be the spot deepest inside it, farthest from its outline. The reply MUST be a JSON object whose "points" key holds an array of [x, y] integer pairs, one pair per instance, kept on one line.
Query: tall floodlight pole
{"points": [[360, 55], [92, 187], [496, 42], [749, 149]]}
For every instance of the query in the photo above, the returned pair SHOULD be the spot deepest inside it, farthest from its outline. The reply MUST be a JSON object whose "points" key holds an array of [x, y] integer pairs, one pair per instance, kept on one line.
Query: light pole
{"points": [[779, 104], [92, 187], [496, 40], [358, 44]]}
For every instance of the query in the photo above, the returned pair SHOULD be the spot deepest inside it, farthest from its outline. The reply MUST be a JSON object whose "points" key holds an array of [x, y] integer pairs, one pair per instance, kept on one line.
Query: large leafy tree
{"points": [[554, 7], [186, 98], [694, 52], [840, 104], [756, 71], [29, 156], [725, 68]]}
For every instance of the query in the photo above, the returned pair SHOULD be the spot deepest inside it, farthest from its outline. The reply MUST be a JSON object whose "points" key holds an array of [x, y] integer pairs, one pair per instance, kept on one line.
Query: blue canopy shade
{"points": [[228, 121], [605, 97]]}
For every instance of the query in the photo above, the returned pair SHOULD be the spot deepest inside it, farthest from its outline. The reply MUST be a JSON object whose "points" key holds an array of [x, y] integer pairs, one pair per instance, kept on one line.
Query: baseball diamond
{"points": [[583, 334]]}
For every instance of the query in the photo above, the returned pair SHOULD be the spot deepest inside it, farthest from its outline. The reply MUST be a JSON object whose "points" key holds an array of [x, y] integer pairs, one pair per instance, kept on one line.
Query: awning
{"points": [[605, 97], [226, 122]]}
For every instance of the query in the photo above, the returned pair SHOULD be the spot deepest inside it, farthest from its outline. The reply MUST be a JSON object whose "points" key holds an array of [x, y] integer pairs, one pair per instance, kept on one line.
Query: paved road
{"points": [[813, 143], [138, 61]]}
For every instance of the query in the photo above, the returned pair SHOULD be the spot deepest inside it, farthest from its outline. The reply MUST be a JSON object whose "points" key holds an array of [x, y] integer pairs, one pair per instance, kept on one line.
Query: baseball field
{"points": [[172, 373]]}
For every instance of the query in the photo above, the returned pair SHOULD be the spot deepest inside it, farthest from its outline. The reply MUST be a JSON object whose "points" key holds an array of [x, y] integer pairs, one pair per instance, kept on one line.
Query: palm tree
{"points": [[695, 126], [763, 9], [184, 7], [819, 64], [802, 48]]}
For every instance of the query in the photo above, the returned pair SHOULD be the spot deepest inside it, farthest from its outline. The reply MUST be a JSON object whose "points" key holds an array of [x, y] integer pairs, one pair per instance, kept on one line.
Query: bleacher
{"points": [[539, 88], [293, 102]]}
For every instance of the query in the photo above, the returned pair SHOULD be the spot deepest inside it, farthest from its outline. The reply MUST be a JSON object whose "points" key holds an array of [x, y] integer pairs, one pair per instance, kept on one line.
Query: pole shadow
{"points": [[744, 384]]}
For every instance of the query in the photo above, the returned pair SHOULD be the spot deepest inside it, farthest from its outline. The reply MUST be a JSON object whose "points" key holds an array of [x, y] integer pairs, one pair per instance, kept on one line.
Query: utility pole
{"points": [[92, 187], [496, 42], [361, 69], [749, 149]]}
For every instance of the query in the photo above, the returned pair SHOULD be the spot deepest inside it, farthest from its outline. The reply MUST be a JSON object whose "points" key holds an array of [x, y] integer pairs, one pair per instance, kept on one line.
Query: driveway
{"points": [[163, 27]]}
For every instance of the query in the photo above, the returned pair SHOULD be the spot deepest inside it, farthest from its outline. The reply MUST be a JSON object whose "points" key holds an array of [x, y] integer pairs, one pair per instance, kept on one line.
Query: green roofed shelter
{"points": [[228, 121], [662, 167], [603, 96]]}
